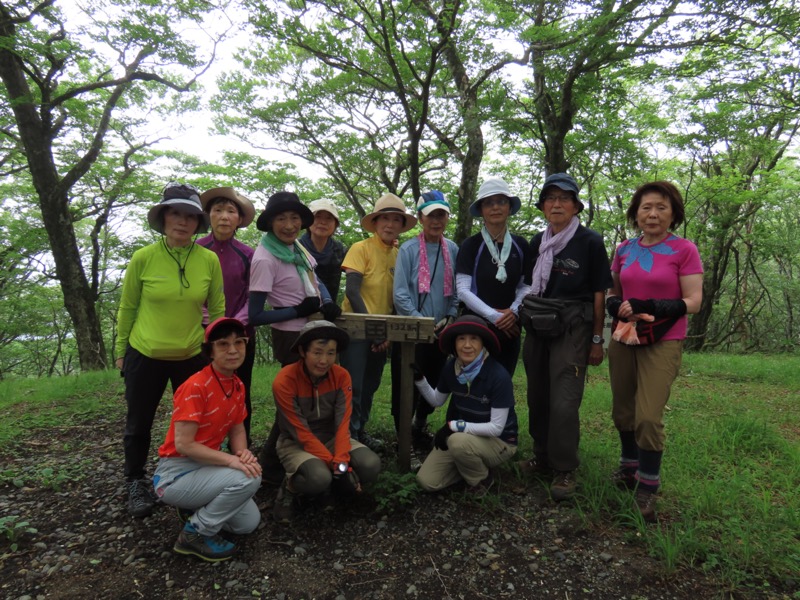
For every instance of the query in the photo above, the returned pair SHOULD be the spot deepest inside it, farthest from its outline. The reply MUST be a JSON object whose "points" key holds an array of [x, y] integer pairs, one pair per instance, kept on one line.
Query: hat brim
{"points": [[475, 207], [447, 339], [563, 186], [323, 333], [218, 322], [434, 207], [247, 208], [184, 205], [368, 221], [264, 222]]}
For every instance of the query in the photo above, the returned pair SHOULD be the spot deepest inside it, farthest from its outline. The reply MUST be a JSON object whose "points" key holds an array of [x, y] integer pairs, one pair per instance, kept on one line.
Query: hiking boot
{"points": [[140, 499], [421, 440], [646, 504], [285, 504], [415, 463], [563, 485], [535, 467], [212, 548], [625, 479], [480, 489], [370, 442]]}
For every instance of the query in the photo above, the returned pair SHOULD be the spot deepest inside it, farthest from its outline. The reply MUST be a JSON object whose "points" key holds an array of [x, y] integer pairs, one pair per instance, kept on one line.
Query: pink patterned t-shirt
{"points": [[655, 271]]}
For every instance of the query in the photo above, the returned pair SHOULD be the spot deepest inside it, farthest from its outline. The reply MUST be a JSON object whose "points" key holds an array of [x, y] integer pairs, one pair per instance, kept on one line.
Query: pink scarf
{"points": [[425, 271], [551, 245]]}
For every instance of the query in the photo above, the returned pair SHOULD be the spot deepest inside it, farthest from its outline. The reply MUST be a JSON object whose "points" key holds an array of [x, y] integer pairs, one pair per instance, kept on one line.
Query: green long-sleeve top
{"points": [[160, 313]]}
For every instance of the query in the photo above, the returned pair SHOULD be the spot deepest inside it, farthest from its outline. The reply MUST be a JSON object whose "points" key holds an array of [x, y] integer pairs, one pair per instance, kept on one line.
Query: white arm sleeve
{"points": [[522, 290], [475, 304], [433, 397], [491, 429]]}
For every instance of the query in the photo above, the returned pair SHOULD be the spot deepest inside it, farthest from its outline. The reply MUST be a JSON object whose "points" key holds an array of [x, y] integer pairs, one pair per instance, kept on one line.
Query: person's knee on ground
{"points": [[313, 477], [366, 464]]}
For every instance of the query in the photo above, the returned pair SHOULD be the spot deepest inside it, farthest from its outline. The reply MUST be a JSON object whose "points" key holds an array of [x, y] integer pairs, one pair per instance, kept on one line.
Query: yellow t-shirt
{"points": [[375, 261]]}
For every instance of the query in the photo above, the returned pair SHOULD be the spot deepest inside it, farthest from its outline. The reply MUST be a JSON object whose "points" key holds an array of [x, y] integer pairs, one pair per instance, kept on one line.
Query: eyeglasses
{"points": [[502, 201], [225, 345], [553, 199]]}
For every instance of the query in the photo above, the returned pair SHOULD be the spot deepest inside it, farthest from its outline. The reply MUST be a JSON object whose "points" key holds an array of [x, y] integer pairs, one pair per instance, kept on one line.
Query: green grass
{"points": [[731, 471]]}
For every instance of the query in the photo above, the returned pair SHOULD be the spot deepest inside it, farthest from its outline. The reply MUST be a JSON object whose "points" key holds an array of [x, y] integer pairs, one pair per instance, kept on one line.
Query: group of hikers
{"points": [[189, 308]]}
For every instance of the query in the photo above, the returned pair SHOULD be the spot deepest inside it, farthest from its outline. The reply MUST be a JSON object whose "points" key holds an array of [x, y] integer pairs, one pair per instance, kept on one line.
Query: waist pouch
{"points": [[550, 317], [650, 332]]}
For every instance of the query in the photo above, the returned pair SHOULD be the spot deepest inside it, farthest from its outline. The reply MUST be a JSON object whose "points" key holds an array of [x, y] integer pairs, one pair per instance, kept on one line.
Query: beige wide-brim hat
{"points": [[387, 204], [243, 202]]}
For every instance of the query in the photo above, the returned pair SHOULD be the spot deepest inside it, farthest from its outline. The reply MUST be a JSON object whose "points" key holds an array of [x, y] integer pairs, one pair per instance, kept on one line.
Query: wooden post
{"points": [[408, 331]]}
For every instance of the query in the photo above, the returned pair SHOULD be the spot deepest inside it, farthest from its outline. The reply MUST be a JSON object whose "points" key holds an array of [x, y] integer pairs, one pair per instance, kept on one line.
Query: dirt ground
{"points": [[516, 543]]}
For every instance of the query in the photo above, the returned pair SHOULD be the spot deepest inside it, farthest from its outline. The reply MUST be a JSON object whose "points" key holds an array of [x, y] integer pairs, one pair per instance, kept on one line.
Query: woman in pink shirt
{"points": [[657, 274]]}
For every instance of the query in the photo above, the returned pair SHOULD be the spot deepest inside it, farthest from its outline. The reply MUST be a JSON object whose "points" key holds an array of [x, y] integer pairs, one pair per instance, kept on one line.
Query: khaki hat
{"points": [[389, 203], [243, 202]]}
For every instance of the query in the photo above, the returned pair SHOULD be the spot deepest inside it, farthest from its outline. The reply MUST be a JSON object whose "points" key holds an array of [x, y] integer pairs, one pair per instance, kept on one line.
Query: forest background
{"points": [[350, 99]]}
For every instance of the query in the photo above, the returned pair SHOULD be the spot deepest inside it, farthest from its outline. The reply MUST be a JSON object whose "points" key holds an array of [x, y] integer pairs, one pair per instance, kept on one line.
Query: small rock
{"points": [[605, 556]]}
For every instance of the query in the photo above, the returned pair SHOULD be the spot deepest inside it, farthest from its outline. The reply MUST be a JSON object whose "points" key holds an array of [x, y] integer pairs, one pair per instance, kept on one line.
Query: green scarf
{"points": [[294, 255]]}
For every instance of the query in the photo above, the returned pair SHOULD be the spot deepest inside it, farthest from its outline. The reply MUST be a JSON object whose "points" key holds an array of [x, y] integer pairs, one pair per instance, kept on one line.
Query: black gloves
{"points": [[308, 306], [330, 311], [612, 305], [345, 484], [669, 308], [440, 439], [642, 306], [418, 376]]}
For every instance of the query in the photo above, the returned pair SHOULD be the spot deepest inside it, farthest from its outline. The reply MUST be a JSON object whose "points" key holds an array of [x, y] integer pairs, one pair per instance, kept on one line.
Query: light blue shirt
{"points": [[407, 299]]}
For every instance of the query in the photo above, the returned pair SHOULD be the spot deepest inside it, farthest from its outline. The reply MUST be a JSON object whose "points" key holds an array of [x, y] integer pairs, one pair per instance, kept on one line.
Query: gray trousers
{"points": [[556, 370], [221, 498]]}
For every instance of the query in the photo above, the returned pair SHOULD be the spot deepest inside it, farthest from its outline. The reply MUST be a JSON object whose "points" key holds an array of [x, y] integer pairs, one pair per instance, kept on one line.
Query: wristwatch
{"points": [[596, 339]]}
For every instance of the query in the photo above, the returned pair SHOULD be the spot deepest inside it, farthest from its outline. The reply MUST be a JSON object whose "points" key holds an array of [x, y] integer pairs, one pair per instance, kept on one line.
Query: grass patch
{"points": [[731, 469], [29, 404]]}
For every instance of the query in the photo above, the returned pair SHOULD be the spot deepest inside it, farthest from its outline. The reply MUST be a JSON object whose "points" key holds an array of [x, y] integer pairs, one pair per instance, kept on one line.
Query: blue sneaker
{"points": [[211, 548]]}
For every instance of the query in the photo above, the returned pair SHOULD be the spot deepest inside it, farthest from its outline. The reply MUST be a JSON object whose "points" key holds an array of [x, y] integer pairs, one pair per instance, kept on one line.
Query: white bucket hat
{"points": [[324, 205], [494, 187]]}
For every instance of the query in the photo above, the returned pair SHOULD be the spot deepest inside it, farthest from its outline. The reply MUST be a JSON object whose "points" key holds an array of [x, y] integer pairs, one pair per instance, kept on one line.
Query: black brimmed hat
{"points": [[472, 325], [183, 198], [563, 182], [321, 330], [283, 202]]}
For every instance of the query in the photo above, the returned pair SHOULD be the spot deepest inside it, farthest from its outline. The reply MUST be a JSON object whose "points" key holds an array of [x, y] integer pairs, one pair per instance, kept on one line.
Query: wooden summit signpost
{"points": [[408, 331]]}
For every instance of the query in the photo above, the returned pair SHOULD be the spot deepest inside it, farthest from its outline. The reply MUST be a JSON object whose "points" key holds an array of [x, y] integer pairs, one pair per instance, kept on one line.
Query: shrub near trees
{"points": [[398, 96]]}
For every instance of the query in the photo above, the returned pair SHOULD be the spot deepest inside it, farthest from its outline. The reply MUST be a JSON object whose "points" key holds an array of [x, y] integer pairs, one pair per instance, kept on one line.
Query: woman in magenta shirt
{"points": [[661, 275]]}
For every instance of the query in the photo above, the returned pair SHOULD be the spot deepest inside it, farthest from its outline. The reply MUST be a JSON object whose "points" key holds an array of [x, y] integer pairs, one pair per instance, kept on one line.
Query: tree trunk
{"points": [[79, 298], [36, 132]]}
